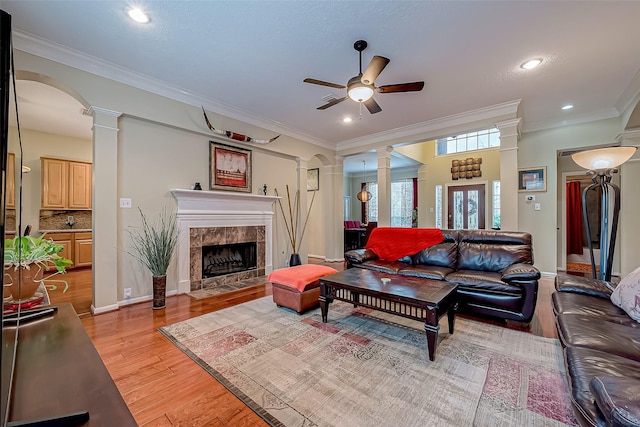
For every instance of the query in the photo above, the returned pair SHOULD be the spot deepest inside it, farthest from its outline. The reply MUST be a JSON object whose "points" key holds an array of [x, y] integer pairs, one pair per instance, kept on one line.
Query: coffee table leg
{"points": [[432, 339], [324, 307], [451, 315]]}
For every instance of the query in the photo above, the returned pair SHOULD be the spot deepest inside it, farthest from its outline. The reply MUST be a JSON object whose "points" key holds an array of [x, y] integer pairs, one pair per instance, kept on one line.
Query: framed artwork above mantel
{"points": [[229, 168]]}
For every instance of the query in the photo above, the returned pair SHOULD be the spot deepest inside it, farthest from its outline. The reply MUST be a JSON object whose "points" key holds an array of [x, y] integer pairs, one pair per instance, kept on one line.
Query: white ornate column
{"points": [[425, 218], [509, 135], [105, 209], [628, 229], [384, 186], [334, 235], [303, 246]]}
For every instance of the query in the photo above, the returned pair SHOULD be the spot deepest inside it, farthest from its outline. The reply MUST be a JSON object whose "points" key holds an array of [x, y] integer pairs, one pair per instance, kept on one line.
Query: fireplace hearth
{"points": [[218, 260]]}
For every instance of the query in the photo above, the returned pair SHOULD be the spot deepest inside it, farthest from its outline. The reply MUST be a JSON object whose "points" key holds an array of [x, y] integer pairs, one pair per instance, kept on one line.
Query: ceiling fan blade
{"points": [[331, 103], [372, 106], [323, 83], [402, 87], [374, 69]]}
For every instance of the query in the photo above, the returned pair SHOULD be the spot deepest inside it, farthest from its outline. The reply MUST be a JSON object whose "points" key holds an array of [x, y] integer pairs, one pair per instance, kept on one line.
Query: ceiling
{"points": [[248, 59]]}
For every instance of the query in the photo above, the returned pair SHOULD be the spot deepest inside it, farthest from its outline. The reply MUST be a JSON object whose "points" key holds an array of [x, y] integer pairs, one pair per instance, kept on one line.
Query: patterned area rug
{"points": [[365, 368]]}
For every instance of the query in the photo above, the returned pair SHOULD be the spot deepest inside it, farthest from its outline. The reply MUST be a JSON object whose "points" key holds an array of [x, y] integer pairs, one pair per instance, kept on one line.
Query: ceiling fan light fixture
{"points": [[360, 92]]}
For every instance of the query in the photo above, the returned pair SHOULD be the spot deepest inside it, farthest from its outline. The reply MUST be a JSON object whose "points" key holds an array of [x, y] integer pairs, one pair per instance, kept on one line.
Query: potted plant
{"points": [[292, 224], [154, 246], [26, 258]]}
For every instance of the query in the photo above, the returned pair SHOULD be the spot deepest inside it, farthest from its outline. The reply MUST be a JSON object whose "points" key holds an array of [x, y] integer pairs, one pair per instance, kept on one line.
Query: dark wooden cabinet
{"points": [[58, 371]]}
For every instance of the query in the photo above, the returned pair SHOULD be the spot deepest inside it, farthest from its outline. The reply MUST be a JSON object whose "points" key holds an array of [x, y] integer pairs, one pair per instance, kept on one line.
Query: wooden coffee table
{"points": [[411, 297]]}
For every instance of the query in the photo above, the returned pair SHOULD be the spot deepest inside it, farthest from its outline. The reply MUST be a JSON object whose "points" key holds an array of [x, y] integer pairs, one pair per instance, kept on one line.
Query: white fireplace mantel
{"points": [[198, 208]]}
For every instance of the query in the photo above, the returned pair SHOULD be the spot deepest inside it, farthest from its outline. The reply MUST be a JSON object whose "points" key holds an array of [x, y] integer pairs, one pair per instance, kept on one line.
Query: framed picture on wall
{"points": [[229, 168], [313, 179], [532, 179]]}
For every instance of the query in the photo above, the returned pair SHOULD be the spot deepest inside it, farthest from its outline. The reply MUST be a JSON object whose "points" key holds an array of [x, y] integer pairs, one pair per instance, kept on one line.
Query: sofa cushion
{"points": [[627, 294], [482, 280], [444, 254], [389, 267], [583, 285], [583, 364], [433, 272], [491, 257], [602, 309], [358, 256], [586, 331], [520, 272], [618, 399]]}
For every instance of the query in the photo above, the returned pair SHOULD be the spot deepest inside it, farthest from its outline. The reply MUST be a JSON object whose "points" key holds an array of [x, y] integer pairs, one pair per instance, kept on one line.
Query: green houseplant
{"points": [[26, 258], [153, 245]]}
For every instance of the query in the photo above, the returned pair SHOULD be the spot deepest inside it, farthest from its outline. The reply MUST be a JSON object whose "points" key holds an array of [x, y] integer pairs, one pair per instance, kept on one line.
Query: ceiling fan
{"points": [[361, 87]]}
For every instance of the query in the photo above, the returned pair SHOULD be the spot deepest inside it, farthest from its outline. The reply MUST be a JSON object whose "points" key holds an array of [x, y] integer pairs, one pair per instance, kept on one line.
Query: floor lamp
{"points": [[602, 163]]}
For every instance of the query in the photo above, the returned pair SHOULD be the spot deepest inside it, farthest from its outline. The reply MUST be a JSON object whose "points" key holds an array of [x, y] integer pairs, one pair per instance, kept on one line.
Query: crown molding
{"points": [[47, 49], [608, 113], [435, 125], [630, 94]]}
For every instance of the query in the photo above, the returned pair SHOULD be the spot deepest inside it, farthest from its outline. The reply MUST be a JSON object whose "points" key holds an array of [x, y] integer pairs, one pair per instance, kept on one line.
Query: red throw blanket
{"points": [[393, 243]]}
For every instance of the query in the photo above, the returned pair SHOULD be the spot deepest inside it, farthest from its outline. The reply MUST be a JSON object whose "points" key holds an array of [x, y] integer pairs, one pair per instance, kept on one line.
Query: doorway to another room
{"points": [[466, 207]]}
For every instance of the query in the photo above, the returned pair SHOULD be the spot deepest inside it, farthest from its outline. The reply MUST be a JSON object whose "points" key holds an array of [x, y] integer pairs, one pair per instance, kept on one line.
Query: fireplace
{"points": [[218, 260], [213, 218]]}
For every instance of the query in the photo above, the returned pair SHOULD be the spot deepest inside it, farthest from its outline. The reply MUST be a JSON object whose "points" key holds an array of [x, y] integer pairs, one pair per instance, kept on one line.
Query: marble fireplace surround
{"points": [[199, 210]]}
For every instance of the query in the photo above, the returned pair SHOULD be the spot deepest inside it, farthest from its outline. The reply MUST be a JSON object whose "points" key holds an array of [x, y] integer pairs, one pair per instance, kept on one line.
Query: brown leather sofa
{"points": [[601, 350], [493, 269]]}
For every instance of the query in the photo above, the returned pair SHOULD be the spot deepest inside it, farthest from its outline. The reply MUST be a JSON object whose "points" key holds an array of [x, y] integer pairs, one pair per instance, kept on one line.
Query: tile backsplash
{"points": [[57, 220]]}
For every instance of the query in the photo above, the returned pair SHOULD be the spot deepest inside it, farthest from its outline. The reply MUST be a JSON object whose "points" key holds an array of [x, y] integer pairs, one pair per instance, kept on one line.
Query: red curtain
{"points": [[574, 218]]}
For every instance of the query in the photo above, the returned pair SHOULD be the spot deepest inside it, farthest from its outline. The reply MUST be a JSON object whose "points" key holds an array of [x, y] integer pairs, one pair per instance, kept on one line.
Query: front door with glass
{"points": [[466, 207]]}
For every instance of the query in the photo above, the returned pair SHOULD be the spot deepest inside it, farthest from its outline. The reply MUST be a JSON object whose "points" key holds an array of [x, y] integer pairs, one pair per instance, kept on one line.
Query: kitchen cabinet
{"points": [[78, 247], [65, 184], [11, 181], [83, 249]]}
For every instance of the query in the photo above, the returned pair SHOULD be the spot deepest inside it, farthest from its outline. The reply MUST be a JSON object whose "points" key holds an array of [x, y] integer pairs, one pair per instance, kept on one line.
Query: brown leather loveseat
{"points": [[493, 269], [601, 352]]}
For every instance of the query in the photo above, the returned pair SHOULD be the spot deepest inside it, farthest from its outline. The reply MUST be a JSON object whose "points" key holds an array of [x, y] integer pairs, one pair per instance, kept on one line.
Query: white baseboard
{"points": [[547, 275], [322, 257], [143, 298], [105, 309], [334, 260]]}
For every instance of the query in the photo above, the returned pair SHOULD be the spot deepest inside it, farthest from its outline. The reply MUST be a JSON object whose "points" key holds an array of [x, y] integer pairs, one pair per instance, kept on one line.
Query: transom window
{"points": [[478, 140]]}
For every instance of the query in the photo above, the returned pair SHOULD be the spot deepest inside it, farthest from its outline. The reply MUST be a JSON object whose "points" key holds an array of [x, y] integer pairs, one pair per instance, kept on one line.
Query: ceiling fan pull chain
{"points": [[360, 110]]}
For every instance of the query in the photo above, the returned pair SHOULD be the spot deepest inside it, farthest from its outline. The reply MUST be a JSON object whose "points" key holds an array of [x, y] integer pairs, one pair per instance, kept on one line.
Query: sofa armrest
{"points": [[520, 272], [583, 285], [358, 256], [617, 399]]}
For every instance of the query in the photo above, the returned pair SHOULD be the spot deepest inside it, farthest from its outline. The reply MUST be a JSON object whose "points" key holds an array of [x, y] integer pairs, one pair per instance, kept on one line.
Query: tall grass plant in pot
{"points": [[153, 245], [291, 223]]}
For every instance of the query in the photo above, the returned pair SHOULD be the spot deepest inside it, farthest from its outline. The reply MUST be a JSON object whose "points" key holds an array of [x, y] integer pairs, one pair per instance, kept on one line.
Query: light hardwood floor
{"points": [[164, 387]]}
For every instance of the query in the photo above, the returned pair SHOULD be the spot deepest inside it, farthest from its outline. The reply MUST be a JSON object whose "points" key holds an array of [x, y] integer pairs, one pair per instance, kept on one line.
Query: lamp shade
{"points": [[364, 196], [603, 158]]}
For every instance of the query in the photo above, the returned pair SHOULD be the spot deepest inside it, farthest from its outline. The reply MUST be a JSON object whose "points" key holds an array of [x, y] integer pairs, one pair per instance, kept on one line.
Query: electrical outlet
{"points": [[286, 263], [125, 203], [127, 292], [537, 207]]}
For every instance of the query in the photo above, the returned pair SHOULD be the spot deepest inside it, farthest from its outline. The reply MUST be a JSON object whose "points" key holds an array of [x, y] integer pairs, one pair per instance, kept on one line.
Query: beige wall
{"points": [[162, 144], [541, 149], [36, 144]]}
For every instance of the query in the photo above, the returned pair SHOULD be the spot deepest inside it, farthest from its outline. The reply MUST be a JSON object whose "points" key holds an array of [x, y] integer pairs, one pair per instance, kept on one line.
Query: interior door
{"points": [[466, 207]]}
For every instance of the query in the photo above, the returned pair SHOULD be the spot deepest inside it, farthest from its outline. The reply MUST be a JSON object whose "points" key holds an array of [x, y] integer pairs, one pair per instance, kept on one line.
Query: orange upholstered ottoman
{"points": [[298, 287]]}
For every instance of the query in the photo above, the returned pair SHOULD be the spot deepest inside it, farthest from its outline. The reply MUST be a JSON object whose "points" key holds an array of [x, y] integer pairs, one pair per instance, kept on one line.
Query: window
{"points": [[370, 209], [479, 140], [402, 203], [495, 199], [439, 206]]}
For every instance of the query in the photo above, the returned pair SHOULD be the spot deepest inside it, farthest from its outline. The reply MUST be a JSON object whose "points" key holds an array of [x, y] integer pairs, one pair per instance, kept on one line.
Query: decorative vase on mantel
{"points": [[295, 260], [159, 291]]}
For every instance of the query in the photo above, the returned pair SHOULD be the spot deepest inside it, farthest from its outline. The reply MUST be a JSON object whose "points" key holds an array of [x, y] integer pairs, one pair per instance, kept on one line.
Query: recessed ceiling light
{"points": [[138, 15], [567, 107], [531, 64], [347, 119]]}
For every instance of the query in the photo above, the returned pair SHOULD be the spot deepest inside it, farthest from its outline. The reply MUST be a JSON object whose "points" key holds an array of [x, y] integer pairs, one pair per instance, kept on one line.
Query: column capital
{"points": [[629, 137], [386, 150], [93, 111], [509, 128]]}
